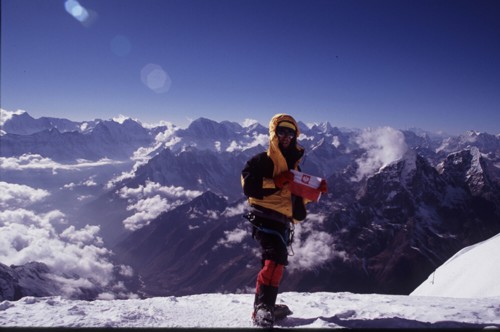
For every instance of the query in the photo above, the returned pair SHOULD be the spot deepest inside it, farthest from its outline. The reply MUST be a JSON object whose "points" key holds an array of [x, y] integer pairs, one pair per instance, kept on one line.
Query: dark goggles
{"points": [[285, 132]]}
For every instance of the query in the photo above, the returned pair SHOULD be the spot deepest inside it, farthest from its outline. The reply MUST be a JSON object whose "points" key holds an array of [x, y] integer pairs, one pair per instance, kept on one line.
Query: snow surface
{"points": [[310, 310], [471, 276], [472, 272]]}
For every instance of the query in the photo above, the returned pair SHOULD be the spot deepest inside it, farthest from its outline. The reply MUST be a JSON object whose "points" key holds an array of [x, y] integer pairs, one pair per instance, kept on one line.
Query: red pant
{"points": [[270, 274], [274, 259]]}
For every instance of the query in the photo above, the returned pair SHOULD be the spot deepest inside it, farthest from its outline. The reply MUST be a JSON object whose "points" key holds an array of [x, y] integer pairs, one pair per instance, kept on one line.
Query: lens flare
{"points": [[79, 12], [155, 78], [120, 45]]}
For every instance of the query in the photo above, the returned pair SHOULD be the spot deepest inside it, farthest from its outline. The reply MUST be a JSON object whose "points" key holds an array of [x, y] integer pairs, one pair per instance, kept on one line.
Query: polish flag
{"points": [[305, 185]]}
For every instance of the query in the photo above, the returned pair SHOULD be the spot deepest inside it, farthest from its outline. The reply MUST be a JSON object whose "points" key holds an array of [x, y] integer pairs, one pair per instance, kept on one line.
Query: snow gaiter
{"points": [[268, 281]]}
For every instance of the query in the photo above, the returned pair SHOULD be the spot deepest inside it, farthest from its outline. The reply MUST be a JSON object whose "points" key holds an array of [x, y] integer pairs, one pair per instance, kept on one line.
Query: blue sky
{"points": [[431, 64]]}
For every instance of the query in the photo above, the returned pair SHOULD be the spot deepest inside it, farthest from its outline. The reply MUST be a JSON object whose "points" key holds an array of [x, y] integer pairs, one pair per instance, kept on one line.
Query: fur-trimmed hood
{"points": [[274, 151]]}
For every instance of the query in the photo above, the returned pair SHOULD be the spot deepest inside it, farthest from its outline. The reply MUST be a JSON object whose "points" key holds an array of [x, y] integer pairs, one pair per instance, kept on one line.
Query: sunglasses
{"points": [[282, 133]]}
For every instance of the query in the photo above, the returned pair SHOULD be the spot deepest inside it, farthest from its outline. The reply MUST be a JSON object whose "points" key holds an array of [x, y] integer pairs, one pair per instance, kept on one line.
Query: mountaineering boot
{"points": [[281, 311], [263, 315], [266, 292]]}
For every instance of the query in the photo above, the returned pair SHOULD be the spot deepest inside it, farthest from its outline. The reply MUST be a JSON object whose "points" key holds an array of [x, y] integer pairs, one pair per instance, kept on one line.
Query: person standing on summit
{"points": [[274, 209]]}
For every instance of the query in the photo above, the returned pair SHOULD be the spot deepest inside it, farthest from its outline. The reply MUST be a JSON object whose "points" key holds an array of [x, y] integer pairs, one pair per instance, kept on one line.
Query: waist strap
{"points": [[274, 232], [270, 214]]}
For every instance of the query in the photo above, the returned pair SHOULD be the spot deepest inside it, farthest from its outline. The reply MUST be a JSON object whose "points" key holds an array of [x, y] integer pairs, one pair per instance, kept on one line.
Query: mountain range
{"points": [[168, 202]]}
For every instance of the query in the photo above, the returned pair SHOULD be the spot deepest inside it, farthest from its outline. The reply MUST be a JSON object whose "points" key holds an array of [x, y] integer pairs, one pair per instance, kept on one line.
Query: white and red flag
{"points": [[305, 185]]}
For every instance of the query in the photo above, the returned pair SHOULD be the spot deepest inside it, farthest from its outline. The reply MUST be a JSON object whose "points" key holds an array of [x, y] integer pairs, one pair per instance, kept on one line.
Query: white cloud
{"points": [[84, 236], [165, 138], [122, 118], [336, 141], [383, 146], [257, 139], [161, 123], [84, 126], [312, 248], [234, 211], [217, 146], [29, 218], [125, 175], [249, 122], [18, 195], [208, 214], [126, 270], [234, 146], [70, 186], [146, 210], [36, 161], [90, 182], [233, 237], [7, 115], [151, 188], [150, 200], [84, 197]]}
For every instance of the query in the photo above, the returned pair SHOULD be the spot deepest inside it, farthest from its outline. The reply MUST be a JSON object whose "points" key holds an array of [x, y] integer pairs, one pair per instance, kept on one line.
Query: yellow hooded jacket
{"points": [[257, 176]]}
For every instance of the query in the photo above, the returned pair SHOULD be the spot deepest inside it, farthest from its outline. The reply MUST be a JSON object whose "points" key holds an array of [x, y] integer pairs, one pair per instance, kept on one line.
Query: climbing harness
{"points": [[286, 238]]}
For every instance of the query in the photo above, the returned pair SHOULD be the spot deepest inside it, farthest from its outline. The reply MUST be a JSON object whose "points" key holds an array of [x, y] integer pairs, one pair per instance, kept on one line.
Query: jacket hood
{"points": [[279, 118], [274, 151]]}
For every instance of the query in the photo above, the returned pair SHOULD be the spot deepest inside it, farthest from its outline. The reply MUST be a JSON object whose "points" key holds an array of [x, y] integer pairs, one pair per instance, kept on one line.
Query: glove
{"points": [[322, 186], [283, 178]]}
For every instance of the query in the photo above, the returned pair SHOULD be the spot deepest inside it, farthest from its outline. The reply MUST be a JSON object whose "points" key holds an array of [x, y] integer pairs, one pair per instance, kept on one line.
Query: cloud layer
{"points": [[36, 161], [76, 257]]}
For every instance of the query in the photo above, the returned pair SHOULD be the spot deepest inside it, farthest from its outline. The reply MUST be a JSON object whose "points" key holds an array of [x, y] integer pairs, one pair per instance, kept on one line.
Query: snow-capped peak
{"points": [[249, 122], [7, 115], [410, 165], [121, 118]]}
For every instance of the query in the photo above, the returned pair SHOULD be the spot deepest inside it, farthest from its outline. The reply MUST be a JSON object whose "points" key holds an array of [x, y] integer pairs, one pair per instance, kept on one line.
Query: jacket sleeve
{"points": [[299, 208], [256, 177], [299, 205]]}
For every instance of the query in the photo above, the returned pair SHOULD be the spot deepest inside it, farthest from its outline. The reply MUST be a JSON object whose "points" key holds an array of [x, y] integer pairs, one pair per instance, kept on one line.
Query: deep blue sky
{"points": [[432, 64]]}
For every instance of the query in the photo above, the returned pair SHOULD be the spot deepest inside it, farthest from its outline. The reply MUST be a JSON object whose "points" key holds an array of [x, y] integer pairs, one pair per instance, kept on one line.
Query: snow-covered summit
{"points": [[21, 123], [310, 310], [7, 115], [471, 273]]}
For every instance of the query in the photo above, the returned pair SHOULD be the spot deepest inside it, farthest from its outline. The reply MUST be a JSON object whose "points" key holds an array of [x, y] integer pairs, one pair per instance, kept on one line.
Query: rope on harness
{"points": [[292, 233], [272, 231], [289, 233]]}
